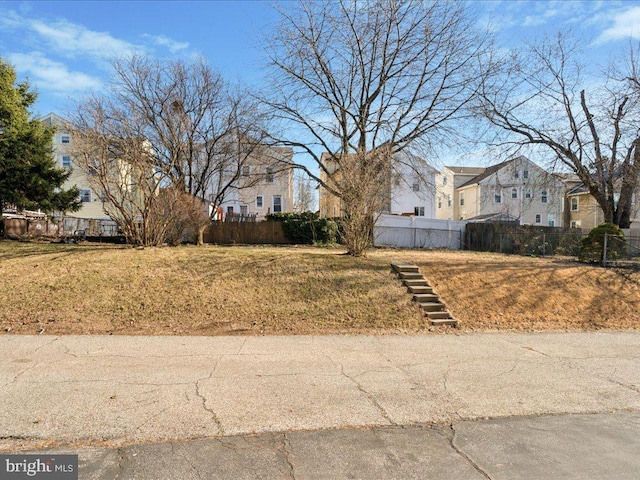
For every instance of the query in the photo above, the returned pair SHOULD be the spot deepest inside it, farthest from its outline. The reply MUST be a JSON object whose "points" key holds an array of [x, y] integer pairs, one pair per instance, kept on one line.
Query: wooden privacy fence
{"points": [[28, 227], [252, 233]]}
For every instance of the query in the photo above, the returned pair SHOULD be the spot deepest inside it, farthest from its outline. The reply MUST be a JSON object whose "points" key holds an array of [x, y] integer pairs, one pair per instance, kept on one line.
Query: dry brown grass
{"points": [[289, 290]]}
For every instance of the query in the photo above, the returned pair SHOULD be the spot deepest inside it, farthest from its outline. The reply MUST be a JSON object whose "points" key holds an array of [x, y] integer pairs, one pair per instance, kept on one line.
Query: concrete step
{"points": [[419, 289], [432, 306], [415, 283], [410, 276], [404, 267], [442, 315], [426, 297], [452, 322]]}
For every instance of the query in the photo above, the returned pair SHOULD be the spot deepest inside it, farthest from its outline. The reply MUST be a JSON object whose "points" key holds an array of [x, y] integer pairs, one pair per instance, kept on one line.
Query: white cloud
{"points": [[531, 21], [71, 39], [47, 74], [11, 19], [626, 24], [66, 38], [164, 41]]}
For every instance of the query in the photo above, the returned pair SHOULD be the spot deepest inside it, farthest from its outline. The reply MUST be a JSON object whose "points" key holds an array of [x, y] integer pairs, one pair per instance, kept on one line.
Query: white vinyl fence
{"points": [[418, 232]]}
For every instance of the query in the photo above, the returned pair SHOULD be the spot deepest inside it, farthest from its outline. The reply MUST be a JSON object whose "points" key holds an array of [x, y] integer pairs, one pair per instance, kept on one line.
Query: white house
{"points": [[413, 188]]}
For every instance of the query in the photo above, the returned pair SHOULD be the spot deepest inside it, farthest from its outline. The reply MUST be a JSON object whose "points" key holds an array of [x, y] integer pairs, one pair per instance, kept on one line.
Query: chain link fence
{"points": [[522, 239], [620, 251]]}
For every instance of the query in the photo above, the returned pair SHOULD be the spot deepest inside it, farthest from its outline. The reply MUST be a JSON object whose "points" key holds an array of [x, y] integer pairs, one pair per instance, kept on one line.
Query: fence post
{"points": [[604, 253], [414, 237], [544, 244]]}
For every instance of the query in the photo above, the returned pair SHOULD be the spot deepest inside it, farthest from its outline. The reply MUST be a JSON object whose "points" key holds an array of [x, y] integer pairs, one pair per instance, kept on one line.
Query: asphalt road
{"points": [[494, 406]]}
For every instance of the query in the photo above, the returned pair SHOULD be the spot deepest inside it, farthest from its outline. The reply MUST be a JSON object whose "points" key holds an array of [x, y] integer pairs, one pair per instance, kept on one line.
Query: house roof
{"points": [[493, 217], [489, 171], [578, 189], [466, 170]]}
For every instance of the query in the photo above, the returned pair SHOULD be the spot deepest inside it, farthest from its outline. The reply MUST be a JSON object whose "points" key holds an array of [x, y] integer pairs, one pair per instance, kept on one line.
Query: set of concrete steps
{"points": [[429, 301]]}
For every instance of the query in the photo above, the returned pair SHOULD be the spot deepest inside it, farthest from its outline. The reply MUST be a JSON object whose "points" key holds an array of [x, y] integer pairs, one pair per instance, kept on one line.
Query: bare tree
{"points": [[539, 98], [200, 132], [196, 124], [118, 162], [364, 77]]}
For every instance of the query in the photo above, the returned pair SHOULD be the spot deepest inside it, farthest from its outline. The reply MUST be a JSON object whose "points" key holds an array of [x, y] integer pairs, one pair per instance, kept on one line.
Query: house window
{"points": [[85, 196], [246, 170], [527, 193], [259, 201], [551, 220], [244, 210], [66, 161], [418, 211], [514, 193], [543, 196], [448, 200], [575, 223], [277, 204], [538, 219], [268, 175], [462, 199], [65, 139], [416, 185], [517, 174], [230, 210], [439, 201], [525, 174], [497, 197], [444, 180], [574, 204]]}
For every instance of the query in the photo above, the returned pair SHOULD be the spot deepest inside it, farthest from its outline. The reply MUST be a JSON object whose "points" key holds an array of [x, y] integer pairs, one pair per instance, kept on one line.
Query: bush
{"points": [[306, 228], [592, 246]]}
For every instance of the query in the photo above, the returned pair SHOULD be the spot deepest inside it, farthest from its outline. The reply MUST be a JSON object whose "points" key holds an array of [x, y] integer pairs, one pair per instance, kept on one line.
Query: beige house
{"points": [[265, 186], [517, 190], [447, 183], [584, 211], [329, 204], [92, 206]]}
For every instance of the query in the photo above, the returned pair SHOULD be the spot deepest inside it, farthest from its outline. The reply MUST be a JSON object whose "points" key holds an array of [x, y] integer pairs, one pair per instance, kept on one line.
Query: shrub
{"points": [[592, 246], [306, 227]]}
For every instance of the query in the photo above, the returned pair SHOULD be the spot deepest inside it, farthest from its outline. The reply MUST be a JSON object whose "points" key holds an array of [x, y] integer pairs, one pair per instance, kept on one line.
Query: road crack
{"points": [[202, 397], [369, 396], [476, 467], [285, 448]]}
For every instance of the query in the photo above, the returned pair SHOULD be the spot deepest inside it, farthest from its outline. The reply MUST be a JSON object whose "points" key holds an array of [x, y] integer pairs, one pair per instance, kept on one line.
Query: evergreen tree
{"points": [[29, 176]]}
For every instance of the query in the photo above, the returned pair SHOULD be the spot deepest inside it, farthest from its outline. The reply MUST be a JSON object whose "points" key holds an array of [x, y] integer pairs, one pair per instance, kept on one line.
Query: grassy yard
{"points": [[55, 289]]}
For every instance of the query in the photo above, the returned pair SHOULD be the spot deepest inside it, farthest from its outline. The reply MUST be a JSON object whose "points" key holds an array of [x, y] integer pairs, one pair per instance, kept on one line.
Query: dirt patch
{"points": [[90, 289]]}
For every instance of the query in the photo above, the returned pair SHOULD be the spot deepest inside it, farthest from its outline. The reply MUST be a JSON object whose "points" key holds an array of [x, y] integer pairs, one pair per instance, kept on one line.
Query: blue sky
{"points": [[64, 47]]}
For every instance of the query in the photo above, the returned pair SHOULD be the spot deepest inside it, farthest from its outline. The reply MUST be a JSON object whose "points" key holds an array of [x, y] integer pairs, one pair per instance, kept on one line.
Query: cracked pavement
{"points": [[323, 406]]}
